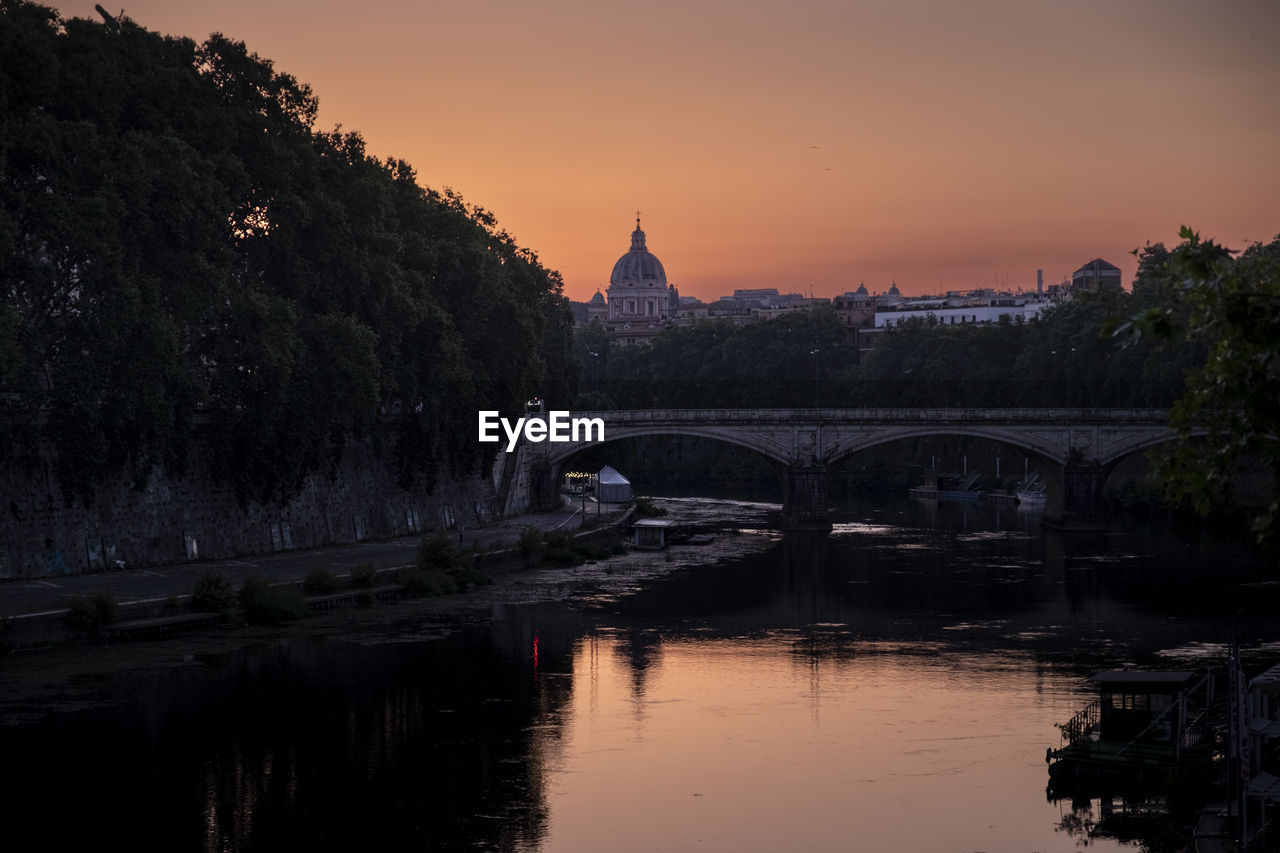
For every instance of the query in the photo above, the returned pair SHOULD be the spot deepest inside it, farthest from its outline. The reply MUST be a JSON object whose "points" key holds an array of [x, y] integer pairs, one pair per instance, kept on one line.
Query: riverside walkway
{"points": [[25, 598]]}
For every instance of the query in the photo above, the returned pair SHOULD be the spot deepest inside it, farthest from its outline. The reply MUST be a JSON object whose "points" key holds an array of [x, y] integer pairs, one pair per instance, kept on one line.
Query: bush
{"points": [[426, 582], [254, 586], [564, 557], [531, 542], [439, 555], [646, 509], [213, 594], [595, 552], [320, 581], [265, 605], [439, 552], [563, 550], [91, 612], [364, 576], [469, 576], [559, 539], [560, 550]]}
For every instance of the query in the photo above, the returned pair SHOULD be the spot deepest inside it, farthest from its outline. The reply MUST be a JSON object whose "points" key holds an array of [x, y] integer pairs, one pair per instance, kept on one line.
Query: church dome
{"points": [[598, 299], [638, 266], [893, 290]]}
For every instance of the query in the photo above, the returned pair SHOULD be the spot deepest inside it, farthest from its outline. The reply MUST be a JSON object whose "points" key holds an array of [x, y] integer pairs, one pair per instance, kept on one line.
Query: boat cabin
{"points": [[1142, 722], [939, 481], [652, 533], [1142, 704]]}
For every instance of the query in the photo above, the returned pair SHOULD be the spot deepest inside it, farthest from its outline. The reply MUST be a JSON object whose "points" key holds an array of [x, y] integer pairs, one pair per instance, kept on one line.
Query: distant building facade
{"points": [[1095, 277], [641, 303], [597, 309], [973, 307]]}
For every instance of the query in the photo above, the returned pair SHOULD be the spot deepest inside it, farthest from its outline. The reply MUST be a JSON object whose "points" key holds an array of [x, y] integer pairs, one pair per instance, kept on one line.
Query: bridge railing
{"points": [[1059, 417]]}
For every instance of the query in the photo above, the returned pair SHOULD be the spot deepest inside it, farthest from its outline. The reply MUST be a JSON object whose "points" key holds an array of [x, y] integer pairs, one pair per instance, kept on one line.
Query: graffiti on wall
{"points": [[46, 562]]}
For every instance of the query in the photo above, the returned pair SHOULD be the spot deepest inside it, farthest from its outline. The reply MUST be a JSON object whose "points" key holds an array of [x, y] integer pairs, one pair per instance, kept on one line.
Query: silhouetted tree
{"points": [[180, 249]]}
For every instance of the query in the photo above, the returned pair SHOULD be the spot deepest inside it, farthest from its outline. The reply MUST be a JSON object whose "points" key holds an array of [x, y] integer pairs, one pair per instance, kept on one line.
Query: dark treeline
{"points": [[1065, 357], [181, 251]]}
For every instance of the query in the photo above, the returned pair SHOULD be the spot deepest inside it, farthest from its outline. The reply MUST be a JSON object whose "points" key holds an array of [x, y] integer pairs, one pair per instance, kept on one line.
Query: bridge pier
{"points": [[804, 503], [1074, 500], [544, 487]]}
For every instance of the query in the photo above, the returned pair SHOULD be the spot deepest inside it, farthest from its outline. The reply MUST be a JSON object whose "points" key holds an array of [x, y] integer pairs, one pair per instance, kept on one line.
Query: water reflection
{"points": [[308, 743], [891, 687], [755, 744]]}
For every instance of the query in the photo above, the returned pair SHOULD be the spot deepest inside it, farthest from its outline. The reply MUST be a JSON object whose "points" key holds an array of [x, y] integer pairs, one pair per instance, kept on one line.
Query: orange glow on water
{"points": [[811, 147], [752, 745]]}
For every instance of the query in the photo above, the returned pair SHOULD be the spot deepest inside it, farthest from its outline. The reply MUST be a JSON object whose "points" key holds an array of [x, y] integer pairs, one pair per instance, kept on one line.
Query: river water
{"points": [[891, 687]]}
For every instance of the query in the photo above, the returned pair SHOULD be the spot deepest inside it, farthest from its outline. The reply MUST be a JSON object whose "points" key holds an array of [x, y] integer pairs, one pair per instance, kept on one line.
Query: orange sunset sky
{"points": [[807, 145]]}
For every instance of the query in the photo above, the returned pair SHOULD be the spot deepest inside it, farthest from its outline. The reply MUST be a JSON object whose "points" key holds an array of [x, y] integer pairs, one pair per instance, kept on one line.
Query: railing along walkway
{"points": [[1081, 724]]}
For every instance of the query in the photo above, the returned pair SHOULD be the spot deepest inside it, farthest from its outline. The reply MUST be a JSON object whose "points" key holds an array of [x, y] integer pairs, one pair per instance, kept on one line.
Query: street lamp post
{"points": [[814, 352], [1067, 397]]}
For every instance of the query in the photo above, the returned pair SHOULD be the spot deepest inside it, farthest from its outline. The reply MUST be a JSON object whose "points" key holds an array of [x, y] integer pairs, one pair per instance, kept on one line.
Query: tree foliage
{"points": [[181, 250], [784, 362], [1228, 420], [1065, 357]]}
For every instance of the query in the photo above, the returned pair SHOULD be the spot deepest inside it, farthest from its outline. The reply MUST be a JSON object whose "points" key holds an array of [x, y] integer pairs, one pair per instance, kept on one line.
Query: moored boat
{"points": [[1141, 723], [1031, 490]]}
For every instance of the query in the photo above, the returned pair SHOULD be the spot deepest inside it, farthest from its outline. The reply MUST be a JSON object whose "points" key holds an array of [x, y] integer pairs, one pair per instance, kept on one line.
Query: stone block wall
{"points": [[177, 519]]}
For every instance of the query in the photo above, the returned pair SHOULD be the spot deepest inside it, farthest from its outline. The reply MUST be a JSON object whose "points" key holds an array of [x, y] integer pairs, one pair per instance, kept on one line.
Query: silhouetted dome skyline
{"points": [[638, 266]]}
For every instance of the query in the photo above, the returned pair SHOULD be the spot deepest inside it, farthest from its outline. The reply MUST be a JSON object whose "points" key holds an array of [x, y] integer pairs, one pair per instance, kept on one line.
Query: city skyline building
{"points": [[641, 302], [1096, 276]]}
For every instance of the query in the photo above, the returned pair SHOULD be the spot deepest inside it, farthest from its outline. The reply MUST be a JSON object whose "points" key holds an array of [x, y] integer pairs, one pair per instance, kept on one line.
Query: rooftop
{"points": [[1174, 678], [652, 522], [1098, 265]]}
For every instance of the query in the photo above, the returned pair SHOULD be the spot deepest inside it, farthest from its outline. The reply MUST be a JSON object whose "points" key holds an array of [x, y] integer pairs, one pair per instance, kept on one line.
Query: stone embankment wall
{"points": [[177, 519]]}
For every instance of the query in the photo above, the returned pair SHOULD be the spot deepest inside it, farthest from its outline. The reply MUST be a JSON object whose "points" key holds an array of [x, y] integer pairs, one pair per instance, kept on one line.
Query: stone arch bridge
{"points": [[1074, 450]]}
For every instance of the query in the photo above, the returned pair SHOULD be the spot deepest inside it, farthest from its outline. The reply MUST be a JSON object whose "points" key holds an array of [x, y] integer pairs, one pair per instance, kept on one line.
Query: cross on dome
{"points": [[638, 267], [637, 236]]}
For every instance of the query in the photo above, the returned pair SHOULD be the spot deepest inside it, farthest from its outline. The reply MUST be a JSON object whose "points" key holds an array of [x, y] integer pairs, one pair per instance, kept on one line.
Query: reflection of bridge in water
{"points": [[1074, 450]]}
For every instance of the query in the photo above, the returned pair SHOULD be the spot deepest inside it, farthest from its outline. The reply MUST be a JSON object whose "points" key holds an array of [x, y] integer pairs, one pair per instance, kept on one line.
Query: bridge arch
{"points": [[1049, 463], [771, 453], [851, 447], [555, 464], [1146, 443], [1075, 449], [802, 489]]}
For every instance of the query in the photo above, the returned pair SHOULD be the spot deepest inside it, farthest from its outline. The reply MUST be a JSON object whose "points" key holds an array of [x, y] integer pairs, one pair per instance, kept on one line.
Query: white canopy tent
{"points": [[613, 488]]}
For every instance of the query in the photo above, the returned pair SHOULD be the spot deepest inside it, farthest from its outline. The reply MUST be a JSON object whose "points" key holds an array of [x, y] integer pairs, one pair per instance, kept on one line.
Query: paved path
{"points": [[18, 597]]}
